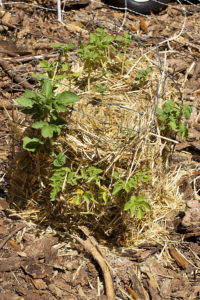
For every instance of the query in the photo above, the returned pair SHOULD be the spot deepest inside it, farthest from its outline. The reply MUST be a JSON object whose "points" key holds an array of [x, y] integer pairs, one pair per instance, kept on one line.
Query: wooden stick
{"points": [[179, 258], [20, 227], [17, 78], [31, 57], [132, 292], [91, 247]]}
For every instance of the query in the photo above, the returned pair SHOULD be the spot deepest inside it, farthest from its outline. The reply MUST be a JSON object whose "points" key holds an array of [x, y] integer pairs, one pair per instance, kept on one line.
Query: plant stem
{"points": [[123, 61]]}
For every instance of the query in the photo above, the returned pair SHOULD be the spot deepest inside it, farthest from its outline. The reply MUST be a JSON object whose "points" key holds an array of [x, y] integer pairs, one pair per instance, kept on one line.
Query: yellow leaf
{"points": [[103, 188], [79, 192], [72, 200]]}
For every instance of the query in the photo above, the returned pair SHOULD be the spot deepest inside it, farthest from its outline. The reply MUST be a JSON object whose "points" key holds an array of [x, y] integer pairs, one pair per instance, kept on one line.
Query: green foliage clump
{"points": [[101, 89], [46, 110], [136, 203], [96, 52], [171, 115], [91, 186], [141, 76], [123, 43]]}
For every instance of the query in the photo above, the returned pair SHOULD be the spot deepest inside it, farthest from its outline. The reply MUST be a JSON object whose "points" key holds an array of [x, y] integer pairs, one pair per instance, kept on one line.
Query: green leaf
{"points": [[108, 39], [139, 198], [105, 197], [83, 174], [173, 125], [119, 38], [159, 111], [66, 98], [127, 187], [141, 74], [103, 194], [115, 175], [65, 48], [132, 183], [65, 67], [93, 38], [60, 107], [170, 103], [48, 130], [59, 77], [171, 115], [78, 200], [40, 77], [137, 204], [163, 117], [145, 206], [118, 186], [60, 160], [187, 110], [54, 193], [70, 46], [58, 46], [31, 143], [56, 119], [130, 205], [142, 175], [71, 179], [59, 174], [29, 111], [145, 178], [25, 102], [29, 94], [45, 64], [183, 130], [39, 124], [139, 213], [94, 170], [47, 89], [87, 197]]}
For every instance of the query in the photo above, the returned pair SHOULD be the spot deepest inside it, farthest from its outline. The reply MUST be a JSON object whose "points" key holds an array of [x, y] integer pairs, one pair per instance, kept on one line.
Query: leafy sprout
{"points": [[123, 42], [96, 52], [171, 117], [142, 74]]}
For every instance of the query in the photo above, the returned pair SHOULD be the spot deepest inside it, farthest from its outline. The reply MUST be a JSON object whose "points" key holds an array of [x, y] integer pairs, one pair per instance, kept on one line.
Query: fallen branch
{"points": [[31, 57], [4, 64], [20, 227], [132, 292], [8, 25], [179, 258], [90, 245]]}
